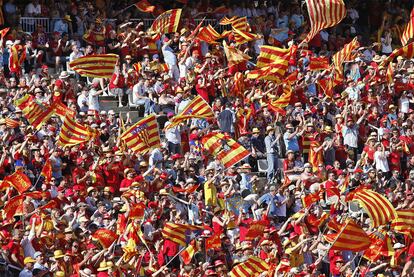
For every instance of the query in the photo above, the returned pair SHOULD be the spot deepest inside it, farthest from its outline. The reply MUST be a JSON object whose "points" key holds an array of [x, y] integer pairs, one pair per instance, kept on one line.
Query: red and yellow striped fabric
{"points": [[324, 14], [345, 54], [274, 72], [406, 51], [11, 123], [320, 63], [284, 99], [409, 30], [144, 6], [37, 114], [17, 57], [13, 207], [4, 31], [378, 207], [143, 135], [238, 85], [270, 54], [253, 266], [234, 56], [166, 22], [197, 108], [381, 245], [404, 223], [309, 199], [242, 37], [177, 232], [105, 237], [350, 237], [73, 133], [227, 21], [208, 34], [189, 252], [241, 24], [224, 148], [95, 66]]}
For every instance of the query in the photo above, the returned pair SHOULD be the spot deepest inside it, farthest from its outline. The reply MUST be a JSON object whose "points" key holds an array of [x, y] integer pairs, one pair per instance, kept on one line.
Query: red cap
{"points": [[69, 192], [218, 263], [44, 66], [177, 156], [358, 170], [164, 176]]}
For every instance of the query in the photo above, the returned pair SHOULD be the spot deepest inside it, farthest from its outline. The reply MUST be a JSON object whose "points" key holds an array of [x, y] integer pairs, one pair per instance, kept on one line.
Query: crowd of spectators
{"points": [[362, 136]]}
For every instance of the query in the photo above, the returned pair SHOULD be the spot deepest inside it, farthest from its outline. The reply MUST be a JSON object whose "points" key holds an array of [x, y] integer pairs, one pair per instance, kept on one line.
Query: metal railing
{"points": [[29, 24]]}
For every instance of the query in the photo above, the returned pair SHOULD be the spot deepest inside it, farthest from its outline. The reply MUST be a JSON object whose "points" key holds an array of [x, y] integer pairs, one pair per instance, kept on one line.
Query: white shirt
{"points": [[172, 135], [403, 104], [350, 136], [32, 10], [381, 162]]}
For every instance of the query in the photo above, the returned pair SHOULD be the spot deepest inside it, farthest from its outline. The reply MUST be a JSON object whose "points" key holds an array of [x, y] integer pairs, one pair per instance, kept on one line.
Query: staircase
{"points": [[107, 103]]}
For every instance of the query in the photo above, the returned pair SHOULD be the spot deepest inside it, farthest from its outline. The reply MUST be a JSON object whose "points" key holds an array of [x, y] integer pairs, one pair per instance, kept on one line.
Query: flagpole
{"points": [[340, 233]]}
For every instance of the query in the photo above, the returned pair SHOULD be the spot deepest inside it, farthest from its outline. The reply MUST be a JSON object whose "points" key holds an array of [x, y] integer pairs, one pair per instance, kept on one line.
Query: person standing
{"points": [[226, 119], [271, 152]]}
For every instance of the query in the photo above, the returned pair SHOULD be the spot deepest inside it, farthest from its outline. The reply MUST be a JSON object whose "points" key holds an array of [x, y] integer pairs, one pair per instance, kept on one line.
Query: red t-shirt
{"points": [[126, 183], [203, 92], [120, 84]]}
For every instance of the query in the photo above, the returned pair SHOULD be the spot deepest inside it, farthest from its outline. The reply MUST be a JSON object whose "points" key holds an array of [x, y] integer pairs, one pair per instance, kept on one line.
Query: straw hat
{"points": [[103, 266], [58, 254], [64, 75], [255, 131], [59, 274], [269, 128], [28, 260]]}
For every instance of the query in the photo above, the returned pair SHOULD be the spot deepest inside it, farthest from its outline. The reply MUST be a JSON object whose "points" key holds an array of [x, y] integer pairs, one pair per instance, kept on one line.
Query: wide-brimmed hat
{"points": [[64, 75], [255, 131], [245, 166], [103, 266], [269, 128], [58, 254], [28, 260], [67, 18]]}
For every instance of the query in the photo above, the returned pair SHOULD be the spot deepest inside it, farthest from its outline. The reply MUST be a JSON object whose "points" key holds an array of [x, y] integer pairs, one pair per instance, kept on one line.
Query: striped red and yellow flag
{"points": [[37, 114], [241, 24], [62, 110], [197, 108], [345, 54], [270, 54], [11, 123], [253, 266], [208, 34], [95, 66], [283, 100], [318, 63], [381, 245], [144, 6], [350, 237], [378, 207], [73, 133], [224, 148], [13, 207], [390, 73], [408, 33], [143, 135], [17, 57], [20, 181], [406, 51], [324, 14], [404, 223], [227, 21], [234, 56], [334, 225], [309, 199], [166, 22], [238, 85], [4, 31], [178, 232], [189, 252], [242, 37]]}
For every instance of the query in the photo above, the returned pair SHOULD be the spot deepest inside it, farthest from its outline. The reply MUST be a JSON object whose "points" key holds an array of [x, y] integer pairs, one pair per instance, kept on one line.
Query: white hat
{"points": [[111, 112], [64, 75], [9, 42]]}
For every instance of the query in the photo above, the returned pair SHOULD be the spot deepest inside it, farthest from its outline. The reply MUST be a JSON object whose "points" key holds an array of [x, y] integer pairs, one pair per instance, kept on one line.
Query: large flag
{"points": [[345, 54], [4, 31], [409, 30], [189, 252], [95, 66], [241, 24], [178, 232], [13, 207], [105, 237], [271, 54], [378, 207], [390, 74], [11, 123], [137, 210], [37, 114], [227, 21], [234, 56], [197, 108], [238, 85], [309, 199], [324, 14], [166, 22], [406, 51], [256, 229], [253, 266], [208, 34], [144, 6], [224, 148], [62, 110], [242, 37], [351, 237], [19, 181], [320, 63], [381, 245], [73, 133], [143, 135], [284, 100], [213, 242], [404, 223]]}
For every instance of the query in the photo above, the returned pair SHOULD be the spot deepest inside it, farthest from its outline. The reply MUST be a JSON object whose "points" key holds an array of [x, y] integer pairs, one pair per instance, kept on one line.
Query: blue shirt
{"points": [[271, 200], [291, 144]]}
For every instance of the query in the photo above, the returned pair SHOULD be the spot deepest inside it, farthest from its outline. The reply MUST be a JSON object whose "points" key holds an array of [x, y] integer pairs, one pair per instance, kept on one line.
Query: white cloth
{"points": [[173, 135], [381, 162]]}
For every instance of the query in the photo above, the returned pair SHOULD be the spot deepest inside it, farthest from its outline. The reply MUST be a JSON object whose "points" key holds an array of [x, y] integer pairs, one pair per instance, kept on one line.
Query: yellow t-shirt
{"points": [[210, 194]]}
